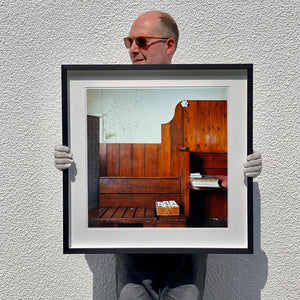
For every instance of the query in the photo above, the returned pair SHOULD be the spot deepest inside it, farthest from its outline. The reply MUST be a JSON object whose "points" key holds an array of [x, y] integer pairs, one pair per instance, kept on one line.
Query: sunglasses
{"points": [[141, 41]]}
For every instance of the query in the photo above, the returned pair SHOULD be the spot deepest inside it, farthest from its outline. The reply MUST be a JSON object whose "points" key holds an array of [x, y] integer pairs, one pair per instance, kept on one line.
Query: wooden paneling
{"points": [[190, 124], [185, 179], [176, 138], [217, 126], [201, 126], [121, 185], [113, 159], [164, 152], [135, 199], [138, 160], [102, 155], [125, 159], [208, 120], [151, 160]]}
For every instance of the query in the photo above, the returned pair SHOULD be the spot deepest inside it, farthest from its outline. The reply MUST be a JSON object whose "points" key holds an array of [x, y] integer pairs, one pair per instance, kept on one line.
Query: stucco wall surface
{"points": [[36, 37]]}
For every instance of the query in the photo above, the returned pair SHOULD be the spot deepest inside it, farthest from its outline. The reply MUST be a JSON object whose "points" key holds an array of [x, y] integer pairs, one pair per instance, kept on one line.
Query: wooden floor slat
{"points": [[145, 216], [130, 211], [120, 212], [140, 212], [109, 213]]}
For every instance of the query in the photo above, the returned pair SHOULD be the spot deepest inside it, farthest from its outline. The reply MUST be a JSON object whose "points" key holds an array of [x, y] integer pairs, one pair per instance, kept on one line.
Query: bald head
{"points": [[166, 25], [157, 51]]}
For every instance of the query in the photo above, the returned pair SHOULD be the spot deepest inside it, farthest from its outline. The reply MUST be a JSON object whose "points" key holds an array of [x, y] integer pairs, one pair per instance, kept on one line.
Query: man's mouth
{"points": [[138, 61]]}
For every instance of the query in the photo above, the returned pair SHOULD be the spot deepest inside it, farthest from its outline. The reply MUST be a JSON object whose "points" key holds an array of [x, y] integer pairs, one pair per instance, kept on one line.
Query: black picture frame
{"points": [[108, 239]]}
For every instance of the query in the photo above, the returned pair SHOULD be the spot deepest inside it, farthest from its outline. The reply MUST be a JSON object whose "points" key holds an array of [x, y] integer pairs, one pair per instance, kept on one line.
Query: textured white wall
{"points": [[38, 36]]}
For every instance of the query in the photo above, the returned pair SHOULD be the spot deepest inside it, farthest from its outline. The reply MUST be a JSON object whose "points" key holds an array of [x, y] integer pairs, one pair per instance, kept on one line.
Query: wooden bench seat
{"points": [[132, 217]]}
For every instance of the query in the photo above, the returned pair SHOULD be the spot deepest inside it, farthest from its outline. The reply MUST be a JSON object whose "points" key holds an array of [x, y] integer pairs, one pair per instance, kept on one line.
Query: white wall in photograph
{"points": [[136, 115]]}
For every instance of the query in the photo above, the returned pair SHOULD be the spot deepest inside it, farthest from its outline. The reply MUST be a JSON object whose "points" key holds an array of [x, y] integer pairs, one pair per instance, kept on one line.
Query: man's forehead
{"points": [[145, 25]]}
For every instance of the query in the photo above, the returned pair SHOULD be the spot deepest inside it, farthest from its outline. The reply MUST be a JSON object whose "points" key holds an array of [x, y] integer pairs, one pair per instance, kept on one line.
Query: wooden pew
{"points": [[131, 201]]}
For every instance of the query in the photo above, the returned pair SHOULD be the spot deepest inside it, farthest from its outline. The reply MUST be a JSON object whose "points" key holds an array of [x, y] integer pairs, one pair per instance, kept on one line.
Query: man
{"points": [[160, 48], [153, 39]]}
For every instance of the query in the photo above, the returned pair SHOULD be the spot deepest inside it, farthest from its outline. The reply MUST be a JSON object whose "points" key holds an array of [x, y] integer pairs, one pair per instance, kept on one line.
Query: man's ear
{"points": [[170, 46]]}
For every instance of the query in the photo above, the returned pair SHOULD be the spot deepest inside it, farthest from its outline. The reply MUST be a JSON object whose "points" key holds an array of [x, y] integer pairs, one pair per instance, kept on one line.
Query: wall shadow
{"points": [[241, 276], [104, 279]]}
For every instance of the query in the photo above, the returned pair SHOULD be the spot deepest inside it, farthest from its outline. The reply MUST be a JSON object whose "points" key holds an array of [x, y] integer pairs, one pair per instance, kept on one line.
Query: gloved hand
{"points": [[63, 157], [253, 166]]}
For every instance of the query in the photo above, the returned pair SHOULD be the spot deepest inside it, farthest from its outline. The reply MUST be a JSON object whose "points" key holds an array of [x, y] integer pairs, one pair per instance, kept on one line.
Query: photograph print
{"points": [[157, 157]]}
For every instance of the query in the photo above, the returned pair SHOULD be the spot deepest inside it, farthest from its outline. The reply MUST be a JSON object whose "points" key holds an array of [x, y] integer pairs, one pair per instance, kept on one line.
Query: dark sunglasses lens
{"points": [[141, 41], [128, 42]]}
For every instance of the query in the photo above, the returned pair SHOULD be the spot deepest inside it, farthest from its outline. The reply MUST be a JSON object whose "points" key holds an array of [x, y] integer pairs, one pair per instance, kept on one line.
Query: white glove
{"points": [[253, 166], [63, 157]]}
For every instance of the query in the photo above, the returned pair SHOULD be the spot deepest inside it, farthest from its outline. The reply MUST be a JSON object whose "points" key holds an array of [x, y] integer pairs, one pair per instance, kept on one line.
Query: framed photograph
{"points": [[158, 153]]}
